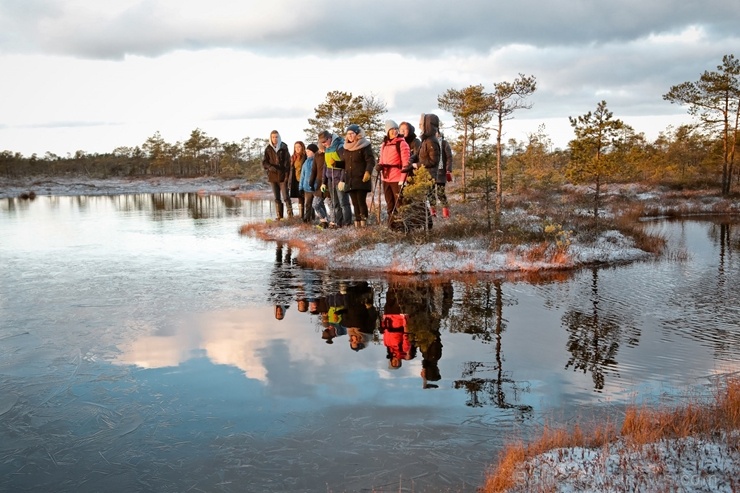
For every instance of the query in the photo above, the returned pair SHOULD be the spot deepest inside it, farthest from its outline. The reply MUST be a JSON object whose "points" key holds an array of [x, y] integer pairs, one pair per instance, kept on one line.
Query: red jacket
{"points": [[394, 155]]}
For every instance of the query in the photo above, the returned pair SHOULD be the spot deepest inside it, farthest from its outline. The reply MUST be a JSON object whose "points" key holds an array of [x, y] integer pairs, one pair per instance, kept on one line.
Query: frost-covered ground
{"points": [[454, 256], [683, 465], [81, 186]]}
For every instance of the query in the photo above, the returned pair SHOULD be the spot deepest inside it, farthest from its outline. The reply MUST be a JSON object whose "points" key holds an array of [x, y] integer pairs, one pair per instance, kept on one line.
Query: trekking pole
{"points": [[377, 184], [398, 198], [332, 193], [372, 202]]}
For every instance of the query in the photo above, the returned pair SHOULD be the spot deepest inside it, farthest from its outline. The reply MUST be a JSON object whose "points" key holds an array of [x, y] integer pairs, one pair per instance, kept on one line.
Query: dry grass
{"points": [[641, 429], [546, 222]]}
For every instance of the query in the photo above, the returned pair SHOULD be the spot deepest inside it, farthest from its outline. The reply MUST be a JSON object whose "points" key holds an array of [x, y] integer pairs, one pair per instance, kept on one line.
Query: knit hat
{"points": [[313, 148], [353, 128], [390, 124]]}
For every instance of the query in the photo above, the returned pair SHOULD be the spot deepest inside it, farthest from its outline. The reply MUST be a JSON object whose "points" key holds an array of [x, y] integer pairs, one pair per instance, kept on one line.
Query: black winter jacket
{"points": [[356, 163]]}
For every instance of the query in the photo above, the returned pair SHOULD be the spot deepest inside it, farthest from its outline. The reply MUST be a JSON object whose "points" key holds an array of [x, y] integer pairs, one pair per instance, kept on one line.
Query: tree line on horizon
{"points": [[604, 149]]}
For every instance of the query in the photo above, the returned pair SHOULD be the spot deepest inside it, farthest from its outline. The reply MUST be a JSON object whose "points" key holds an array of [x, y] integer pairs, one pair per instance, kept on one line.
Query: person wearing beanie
{"points": [[394, 156], [305, 186], [359, 162], [316, 179]]}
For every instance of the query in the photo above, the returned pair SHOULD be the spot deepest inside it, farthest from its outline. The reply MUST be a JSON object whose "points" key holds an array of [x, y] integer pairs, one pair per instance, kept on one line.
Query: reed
{"points": [[642, 429]]}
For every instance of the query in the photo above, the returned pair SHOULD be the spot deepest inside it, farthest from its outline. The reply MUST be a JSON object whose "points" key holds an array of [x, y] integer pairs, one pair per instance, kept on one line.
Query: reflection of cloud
{"points": [[239, 338]]}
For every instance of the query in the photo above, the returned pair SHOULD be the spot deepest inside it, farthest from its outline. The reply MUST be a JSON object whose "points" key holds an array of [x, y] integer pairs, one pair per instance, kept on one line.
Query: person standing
{"points": [[409, 134], [394, 156], [333, 146], [316, 180], [359, 162], [296, 163], [276, 162], [430, 153], [428, 158], [443, 175], [306, 185]]}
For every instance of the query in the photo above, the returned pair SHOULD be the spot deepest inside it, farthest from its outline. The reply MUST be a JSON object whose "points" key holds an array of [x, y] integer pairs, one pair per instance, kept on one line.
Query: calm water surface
{"points": [[141, 350]]}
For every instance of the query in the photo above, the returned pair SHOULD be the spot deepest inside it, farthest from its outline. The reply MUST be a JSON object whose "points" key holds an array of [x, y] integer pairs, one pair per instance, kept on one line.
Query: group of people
{"points": [[332, 178]]}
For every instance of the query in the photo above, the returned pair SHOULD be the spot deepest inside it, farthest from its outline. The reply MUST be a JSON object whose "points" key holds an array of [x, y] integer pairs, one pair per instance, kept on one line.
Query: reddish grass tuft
{"points": [[641, 426]]}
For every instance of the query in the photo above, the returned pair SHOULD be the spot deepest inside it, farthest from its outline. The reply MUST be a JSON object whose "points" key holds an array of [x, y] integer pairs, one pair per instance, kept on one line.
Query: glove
{"points": [[449, 176], [340, 186], [323, 188], [366, 177], [408, 169]]}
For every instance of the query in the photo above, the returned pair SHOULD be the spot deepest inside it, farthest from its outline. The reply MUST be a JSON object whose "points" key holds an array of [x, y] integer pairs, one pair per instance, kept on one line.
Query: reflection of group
{"points": [[407, 325]]}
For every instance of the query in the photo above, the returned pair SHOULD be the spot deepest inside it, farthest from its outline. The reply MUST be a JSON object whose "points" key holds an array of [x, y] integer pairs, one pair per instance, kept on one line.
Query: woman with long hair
{"points": [[297, 159]]}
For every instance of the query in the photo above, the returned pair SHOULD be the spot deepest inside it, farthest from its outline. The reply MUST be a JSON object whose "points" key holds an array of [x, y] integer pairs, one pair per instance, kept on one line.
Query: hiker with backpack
{"points": [[394, 156]]}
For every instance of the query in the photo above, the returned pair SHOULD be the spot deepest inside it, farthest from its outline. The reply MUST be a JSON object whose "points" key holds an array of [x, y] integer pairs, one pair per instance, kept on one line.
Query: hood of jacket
{"points": [[429, 125], [279, 141]]}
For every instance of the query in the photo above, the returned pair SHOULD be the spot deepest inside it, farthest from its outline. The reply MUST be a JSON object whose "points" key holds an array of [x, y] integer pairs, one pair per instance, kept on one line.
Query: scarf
{"points": [[358, 144]]}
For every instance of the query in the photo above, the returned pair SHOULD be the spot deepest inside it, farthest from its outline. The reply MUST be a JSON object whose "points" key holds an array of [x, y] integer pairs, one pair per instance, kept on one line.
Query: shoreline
{"points": [[75, 186]]}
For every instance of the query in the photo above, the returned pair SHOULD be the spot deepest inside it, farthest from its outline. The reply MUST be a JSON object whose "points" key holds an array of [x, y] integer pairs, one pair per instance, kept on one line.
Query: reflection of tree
{"points": [[486, 321], [708, 304], [162, 205], [724, 238], [478, 306], [593, 340]]}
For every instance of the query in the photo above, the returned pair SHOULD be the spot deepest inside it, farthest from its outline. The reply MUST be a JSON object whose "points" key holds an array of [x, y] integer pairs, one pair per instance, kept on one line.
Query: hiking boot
{"points": [[433, 211], [333, 226], [445, 212]]}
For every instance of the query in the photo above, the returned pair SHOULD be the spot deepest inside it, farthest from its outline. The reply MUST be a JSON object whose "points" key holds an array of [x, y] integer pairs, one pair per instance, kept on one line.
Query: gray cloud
{"points": [[148, 28]]}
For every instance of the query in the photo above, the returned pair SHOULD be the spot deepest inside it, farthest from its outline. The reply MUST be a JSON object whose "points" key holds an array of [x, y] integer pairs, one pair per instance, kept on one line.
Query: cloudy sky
{"points": [[95, 75]]}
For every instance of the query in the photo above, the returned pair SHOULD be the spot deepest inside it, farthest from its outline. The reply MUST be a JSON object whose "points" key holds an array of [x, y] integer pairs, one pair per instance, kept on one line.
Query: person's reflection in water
{"points": [[334, 322], [282, 280], [280, 311], [360, 316], [318, 306], [302, 305], [430, 356], [394, 327]]}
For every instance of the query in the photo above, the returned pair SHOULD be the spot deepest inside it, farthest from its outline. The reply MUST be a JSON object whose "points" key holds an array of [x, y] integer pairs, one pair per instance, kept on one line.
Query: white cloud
{"points": [[237, 69]]}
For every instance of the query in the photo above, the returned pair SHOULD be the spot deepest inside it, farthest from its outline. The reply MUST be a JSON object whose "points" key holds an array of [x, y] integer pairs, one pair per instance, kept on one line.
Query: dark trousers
{"points": [[391, 192], [359, 204]]}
